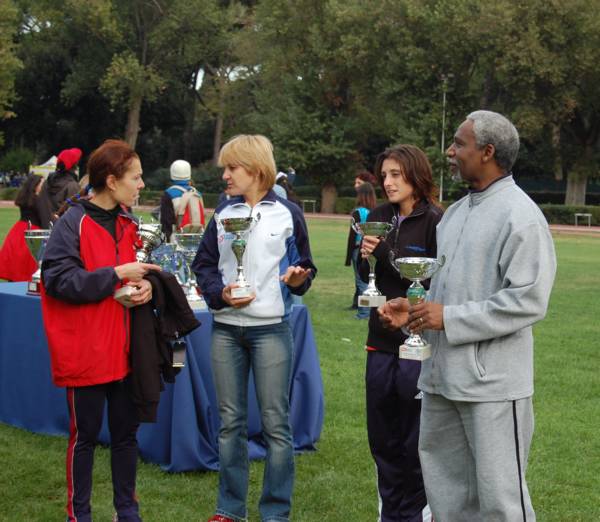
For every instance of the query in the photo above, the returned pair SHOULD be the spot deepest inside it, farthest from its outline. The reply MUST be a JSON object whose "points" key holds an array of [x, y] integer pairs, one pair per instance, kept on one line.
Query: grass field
{"points": [[336, 483]]}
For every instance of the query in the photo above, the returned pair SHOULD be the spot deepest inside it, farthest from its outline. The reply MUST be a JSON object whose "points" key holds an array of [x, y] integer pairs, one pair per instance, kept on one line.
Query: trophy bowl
{"points": [[36, 241], [151, 237], [187, 244], [239, 226], [372, 228], [416, 269], [372, 297]]}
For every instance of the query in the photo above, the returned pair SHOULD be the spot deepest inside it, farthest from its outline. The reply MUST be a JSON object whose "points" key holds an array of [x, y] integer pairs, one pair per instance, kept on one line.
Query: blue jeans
{"points": [[267, 350], [363, 311]]}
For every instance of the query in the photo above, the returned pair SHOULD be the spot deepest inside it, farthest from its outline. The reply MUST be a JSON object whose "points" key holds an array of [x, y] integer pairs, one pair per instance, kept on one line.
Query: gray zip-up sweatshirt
{"points": [[496, 283]]}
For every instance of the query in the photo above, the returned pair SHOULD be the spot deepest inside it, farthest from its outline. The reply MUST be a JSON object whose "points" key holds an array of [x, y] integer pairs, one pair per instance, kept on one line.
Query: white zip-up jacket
{"points": [[278, 239]]}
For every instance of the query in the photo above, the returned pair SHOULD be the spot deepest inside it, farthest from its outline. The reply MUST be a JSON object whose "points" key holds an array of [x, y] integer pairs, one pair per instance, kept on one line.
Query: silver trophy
{"points": [[416, 269], [187, 244], [371, 297], [36, 241], [151, 237], [239, 227]]}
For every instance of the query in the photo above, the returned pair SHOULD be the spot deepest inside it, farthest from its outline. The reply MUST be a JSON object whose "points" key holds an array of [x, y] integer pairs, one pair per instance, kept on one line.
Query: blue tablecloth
{"points": [[185, 436]]}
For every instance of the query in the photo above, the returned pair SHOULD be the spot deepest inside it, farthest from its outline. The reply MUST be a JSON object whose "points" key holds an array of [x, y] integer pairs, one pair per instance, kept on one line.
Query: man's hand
{"points": [[394, 313], [236, 302], [295, 276], [426, 316]]}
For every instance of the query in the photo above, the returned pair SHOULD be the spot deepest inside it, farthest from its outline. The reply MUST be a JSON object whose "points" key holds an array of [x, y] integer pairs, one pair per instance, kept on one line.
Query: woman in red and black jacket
{"points": [[90, 254], [393, 400]]}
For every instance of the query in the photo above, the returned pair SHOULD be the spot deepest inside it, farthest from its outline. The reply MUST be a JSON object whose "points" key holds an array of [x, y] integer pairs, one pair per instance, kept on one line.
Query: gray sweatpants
{"points": [[474, 457]]}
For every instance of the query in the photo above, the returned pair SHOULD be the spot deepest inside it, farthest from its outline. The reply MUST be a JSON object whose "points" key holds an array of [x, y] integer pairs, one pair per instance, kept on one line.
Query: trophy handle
{"points": [[440, 263], [355, 226]]}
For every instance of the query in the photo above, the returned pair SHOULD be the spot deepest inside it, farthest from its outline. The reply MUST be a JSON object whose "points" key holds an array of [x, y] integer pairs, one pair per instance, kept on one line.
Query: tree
{"points": [[314, 96], [9, 63], [549, 78]]}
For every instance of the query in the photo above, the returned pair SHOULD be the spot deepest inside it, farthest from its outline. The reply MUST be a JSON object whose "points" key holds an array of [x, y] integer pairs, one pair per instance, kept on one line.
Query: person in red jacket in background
{"points": [[16, 261], [90, 254]]}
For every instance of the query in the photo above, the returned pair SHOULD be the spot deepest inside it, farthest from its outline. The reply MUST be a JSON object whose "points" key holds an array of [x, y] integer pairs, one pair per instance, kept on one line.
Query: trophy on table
{"points": [[151, 237], [36, 241], [240, 226], [371, 297], [187, 244], [416, 269]]}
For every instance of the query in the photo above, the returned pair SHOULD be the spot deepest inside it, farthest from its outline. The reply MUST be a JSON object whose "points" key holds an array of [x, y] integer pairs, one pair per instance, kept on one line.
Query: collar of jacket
{"points": [[122, 211], [476, 197], [268, 198], [418, 209]]}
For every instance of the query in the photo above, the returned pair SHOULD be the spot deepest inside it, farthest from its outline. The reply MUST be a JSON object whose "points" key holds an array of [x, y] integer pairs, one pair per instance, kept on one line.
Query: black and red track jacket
{"points": [[87, 330]]}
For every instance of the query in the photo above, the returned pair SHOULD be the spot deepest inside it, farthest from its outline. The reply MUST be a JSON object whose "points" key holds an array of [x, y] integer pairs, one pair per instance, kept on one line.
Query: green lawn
{"points": [[336, 483]]}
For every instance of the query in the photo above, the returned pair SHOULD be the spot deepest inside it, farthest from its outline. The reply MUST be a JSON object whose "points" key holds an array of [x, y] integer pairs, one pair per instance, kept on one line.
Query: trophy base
{"points": [[123, 295], [179, 354], [197, 304], [415, 353], [240, 292], [371, 301], [33, 288]]}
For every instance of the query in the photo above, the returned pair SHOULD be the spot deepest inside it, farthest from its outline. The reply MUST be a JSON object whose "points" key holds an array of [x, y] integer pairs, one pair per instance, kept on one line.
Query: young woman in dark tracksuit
{"points": [[90, 254], [393, 401]]}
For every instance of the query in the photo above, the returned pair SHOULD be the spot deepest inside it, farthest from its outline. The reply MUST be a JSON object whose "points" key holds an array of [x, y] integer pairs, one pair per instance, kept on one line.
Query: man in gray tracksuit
{"points": [[477, 416]]}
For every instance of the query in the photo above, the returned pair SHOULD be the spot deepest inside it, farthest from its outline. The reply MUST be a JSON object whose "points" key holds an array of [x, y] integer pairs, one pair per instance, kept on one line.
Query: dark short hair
{"points": [[112, 157], [367, 177], [415, 167]]}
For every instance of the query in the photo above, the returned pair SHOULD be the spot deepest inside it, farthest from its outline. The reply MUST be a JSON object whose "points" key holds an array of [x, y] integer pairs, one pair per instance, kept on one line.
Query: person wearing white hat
{"points": [[181, 205], [279, 189]]}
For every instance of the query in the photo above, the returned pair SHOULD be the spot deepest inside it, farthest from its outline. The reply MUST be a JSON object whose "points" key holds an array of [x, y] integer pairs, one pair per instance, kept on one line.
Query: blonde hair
{"points": [[253, 152]]}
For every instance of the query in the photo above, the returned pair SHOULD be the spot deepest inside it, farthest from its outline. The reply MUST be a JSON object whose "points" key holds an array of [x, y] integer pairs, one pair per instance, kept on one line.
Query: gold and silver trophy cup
{"points": [[36, 241], [416, 269], [240, 227], [372, 297], [151, 237], [187, 244]]}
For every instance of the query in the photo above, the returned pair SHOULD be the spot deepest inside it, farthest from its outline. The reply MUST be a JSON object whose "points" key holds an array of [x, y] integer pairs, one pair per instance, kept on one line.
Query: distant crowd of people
{"points": [[11, 179]]}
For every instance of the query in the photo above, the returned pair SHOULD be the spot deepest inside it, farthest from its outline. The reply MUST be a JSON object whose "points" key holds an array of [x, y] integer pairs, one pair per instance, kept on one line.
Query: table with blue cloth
{"points": [[185, 434]]}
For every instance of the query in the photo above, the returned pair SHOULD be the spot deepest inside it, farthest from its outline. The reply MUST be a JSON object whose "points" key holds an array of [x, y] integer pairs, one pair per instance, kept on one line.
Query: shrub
{"points": [[17, 160], [565, 214], [9, 194], [206, 178]]}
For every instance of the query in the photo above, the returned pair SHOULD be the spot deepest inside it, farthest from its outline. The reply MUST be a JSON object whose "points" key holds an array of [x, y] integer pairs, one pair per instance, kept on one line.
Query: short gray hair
{"points": [[493, 128]]}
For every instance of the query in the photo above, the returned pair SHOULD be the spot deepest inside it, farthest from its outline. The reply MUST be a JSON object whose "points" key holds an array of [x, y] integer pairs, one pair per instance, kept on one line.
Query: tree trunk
{"points": [[576, 187], [558, 169], [133, 121], [188, 129], [219, 121], [328, 198]]}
